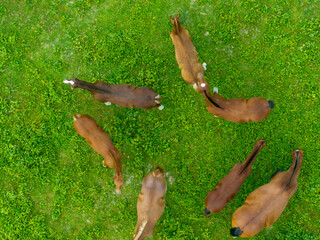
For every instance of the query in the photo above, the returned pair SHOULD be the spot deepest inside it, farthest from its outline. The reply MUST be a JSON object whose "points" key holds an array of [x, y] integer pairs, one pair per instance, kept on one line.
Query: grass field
{"points": [[53, 185]]}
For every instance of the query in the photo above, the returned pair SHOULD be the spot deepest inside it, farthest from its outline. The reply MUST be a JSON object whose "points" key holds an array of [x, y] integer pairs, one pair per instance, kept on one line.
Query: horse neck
{"points": [[141, 227], [294, 169], [252, 157], [219, 99], [209, 98], [84, 85], [117, 167]]}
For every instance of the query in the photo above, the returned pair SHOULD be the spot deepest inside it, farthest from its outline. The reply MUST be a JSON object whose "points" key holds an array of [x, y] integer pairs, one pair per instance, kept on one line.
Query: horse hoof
{"points": [[204, 64], [195, 87]]}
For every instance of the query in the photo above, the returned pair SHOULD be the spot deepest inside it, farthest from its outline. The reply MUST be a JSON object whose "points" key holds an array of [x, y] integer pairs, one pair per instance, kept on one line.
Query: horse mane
{"points": [[294, 169], [141, 229], [252, 157], [97, 86], [117, 164], [210, 100]]}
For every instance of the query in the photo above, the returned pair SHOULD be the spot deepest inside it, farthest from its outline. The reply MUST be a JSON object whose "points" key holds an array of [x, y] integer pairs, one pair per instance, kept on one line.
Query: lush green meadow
{"points": [[53, 184]]}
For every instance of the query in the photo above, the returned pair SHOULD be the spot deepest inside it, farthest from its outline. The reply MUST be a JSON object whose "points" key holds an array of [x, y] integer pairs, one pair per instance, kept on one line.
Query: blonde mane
{"points": [[141, 229]]}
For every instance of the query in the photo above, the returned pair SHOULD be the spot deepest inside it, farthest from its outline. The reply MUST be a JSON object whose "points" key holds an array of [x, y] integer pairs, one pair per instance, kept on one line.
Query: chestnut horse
{"points": [[150, 204], [229, 186], [99, 140], [265, 204], [235, 110], [120, 94], [186, 54]]}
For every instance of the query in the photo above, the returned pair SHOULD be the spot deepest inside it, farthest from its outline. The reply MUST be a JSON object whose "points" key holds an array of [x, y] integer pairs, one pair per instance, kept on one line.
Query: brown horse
{"points": [[265, 204], [120, 94], [99, 140], [229, 186], [186, 54], [150, 204], [235, 110]]}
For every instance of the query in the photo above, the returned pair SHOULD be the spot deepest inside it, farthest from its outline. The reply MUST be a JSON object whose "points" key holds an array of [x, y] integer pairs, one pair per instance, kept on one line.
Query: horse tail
{"points": [[271, 104]]}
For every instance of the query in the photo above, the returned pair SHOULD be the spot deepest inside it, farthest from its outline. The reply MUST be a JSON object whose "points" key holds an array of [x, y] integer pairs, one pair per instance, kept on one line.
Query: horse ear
{"points": [[172, 20]]}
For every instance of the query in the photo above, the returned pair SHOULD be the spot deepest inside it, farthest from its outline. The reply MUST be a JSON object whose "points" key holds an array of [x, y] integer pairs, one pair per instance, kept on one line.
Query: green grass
{"points": [[53, 185]]}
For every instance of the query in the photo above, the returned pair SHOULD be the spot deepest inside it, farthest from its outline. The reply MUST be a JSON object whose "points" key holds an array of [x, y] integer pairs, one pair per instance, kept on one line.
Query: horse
{"points": [[99, 140], [238, 110], [265, 204], [229, 186], [150, 203], [186, 54], [124, 95]]}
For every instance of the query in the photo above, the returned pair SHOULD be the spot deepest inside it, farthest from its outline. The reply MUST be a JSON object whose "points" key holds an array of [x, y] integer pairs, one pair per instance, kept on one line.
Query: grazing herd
{"points": [[265, 204], [261, 208]]}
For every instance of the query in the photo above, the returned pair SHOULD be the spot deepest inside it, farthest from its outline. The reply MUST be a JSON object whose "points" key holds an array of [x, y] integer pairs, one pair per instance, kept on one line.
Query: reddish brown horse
{"points": [[150, 204], [265, 204], [229, 186], [120, 94], [186, 54], [235, 110], [99, 140]]}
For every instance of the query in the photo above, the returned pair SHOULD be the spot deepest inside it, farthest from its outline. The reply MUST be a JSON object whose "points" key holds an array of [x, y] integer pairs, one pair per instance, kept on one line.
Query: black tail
{"points": [[235, 232], [271, 104], [206, 212]]}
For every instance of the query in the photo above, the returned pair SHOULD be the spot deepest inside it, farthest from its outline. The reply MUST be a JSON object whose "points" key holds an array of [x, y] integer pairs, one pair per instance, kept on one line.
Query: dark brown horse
{"points": [[150, 204], [99, 140], [120, 94], [265, 204], [186, 54], [229, 186], [235, 110]]}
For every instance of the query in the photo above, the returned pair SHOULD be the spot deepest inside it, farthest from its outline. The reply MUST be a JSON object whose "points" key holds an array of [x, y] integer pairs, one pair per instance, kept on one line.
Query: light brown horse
{"points": [[150, 204], [235, 110], [265, 204], [120, 94], [186, 54], [99, 140], [229, 186]]}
